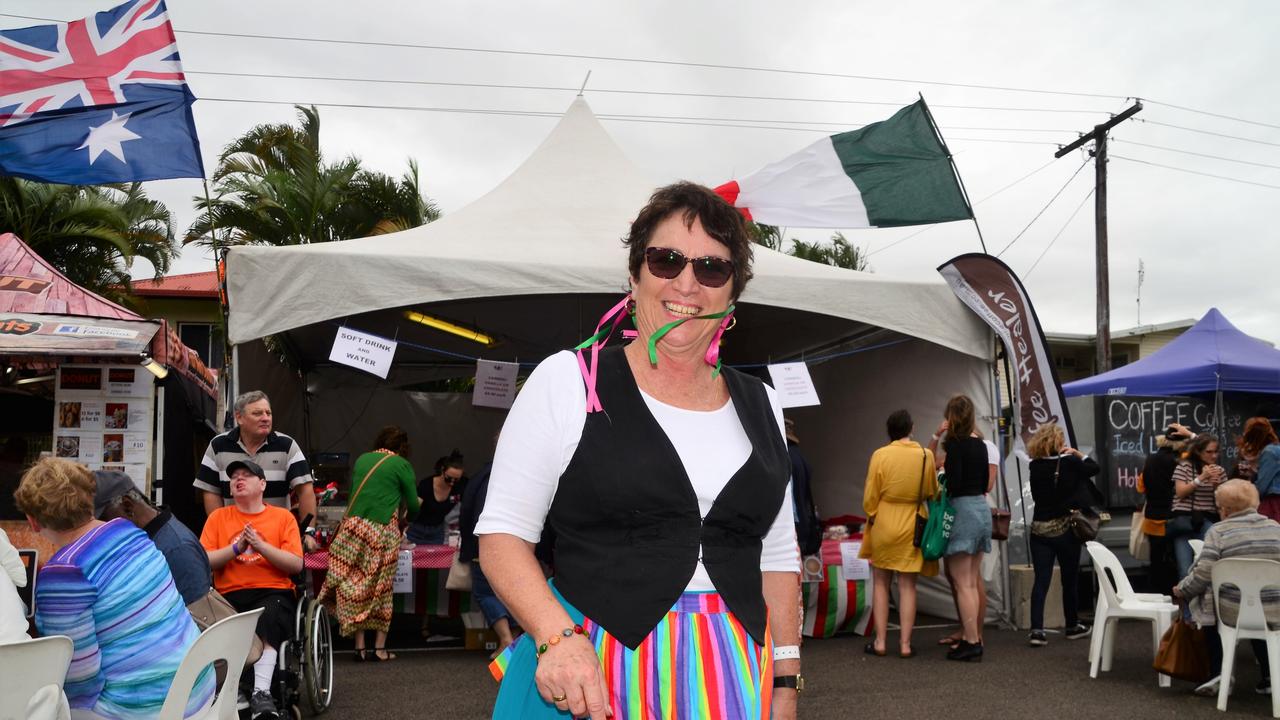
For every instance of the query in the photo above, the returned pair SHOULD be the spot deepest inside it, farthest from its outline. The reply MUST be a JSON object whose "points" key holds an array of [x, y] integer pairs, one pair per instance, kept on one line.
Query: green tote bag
{"points": [[937, 532]]}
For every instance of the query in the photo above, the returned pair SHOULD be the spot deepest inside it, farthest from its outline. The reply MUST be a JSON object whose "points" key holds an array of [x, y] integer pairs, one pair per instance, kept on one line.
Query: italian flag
{"points": [[888, 174]]}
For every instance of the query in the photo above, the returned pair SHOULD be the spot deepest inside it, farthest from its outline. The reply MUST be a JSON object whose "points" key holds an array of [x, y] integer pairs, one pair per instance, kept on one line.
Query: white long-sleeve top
{"points": [[541, 435], [13, 575]]}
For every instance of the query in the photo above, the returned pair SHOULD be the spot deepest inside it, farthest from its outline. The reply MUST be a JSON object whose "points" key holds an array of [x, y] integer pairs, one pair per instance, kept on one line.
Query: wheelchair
{"points": [[303, 680]]}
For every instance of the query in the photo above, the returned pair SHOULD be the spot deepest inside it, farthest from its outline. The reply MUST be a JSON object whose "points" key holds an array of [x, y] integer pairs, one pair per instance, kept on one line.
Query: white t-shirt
{"points": [[541, 435], [13, 620]]}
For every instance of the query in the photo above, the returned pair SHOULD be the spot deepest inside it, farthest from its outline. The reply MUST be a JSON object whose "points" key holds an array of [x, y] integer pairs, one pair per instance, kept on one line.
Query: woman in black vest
{"points": [[1158, 488], [665, 479]]}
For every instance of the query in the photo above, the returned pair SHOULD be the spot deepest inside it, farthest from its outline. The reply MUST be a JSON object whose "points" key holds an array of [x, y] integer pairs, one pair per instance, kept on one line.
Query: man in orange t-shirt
{"points": [[254, 549]]}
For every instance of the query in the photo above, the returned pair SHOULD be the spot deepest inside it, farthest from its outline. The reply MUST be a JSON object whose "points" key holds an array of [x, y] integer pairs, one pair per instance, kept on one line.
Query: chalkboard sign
{"points": [[1127, 426]]}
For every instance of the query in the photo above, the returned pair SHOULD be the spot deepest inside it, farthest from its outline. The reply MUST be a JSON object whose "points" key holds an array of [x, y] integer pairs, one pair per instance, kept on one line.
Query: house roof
{"points": [[190, 285], [1137, 331], [28, 284]]}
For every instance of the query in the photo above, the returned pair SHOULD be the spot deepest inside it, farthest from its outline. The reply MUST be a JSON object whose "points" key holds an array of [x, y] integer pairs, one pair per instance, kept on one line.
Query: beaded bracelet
{"points": [[555, 639]]}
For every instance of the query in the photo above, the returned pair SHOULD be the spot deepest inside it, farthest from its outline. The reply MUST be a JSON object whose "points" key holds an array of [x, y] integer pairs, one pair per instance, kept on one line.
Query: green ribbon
{"points": [[654, 338]]}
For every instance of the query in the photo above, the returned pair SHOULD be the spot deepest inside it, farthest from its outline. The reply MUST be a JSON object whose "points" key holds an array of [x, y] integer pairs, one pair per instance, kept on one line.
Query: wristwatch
{"points": [[795, 682]]}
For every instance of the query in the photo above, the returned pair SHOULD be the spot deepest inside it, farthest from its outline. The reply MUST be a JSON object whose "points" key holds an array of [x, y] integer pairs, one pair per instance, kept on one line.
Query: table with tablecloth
{"points": [[836, 604], [430, 570]]}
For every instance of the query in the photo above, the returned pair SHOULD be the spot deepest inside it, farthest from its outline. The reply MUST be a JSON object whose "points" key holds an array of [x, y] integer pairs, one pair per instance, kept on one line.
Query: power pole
{"points": [[1099, 138], [1142, 275]]}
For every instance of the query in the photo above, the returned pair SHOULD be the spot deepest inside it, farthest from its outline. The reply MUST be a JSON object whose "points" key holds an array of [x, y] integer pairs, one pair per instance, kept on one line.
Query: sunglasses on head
{"points": [[709, 270]]}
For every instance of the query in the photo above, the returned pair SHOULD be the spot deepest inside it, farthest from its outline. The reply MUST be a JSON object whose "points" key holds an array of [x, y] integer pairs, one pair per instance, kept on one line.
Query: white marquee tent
{"points": [[534, 263]]}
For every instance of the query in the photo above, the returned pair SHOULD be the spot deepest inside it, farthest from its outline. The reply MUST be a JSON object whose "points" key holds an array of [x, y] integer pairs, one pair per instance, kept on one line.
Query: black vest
{"points": [[627, 519]]}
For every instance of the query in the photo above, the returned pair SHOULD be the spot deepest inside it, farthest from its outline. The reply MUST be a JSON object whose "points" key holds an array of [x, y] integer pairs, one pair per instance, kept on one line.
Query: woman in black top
{"points": [[1158, 488], [438, 494], [969, 478], [1058, 476]]}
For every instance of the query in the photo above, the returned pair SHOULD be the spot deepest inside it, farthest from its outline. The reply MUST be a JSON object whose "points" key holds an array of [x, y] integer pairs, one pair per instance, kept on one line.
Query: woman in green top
{"points": [[362, 557]]}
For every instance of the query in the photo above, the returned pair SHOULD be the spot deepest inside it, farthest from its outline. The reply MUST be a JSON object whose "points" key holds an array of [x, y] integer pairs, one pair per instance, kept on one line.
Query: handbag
{"points": [[1083, 525], [459, 576], [1139, 546], [1183, 653], [211, 608], [1000, 517], [942, 517]]}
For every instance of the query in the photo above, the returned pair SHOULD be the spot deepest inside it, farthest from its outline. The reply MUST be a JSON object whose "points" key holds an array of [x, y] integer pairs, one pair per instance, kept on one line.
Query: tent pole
{"points": [[1013, 430], [996, 398]]}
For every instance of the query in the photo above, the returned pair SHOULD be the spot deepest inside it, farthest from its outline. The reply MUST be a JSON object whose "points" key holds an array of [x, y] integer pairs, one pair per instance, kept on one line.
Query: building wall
{"points": [[177, 310], [1155, 341]]}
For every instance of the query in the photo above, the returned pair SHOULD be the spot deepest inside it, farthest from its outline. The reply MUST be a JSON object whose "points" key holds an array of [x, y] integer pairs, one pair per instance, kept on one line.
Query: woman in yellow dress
{"points": [[900, 478]]}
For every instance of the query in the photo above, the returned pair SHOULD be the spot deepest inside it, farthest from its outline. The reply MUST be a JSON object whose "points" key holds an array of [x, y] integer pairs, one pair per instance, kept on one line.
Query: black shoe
{"points": [[1077, 631], [262, 707], [1263, 687], [1037, 638], [966, 652]]}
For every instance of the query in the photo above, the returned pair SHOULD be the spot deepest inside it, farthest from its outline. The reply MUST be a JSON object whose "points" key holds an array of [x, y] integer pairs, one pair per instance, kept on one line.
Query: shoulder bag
{"points": [[1083, 525], [211, 608], [922, 519], [937, 533], [1000, 517]]}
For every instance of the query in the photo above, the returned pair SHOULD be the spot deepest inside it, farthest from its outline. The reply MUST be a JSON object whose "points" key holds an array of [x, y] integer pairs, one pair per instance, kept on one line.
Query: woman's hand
{"points": [[784, 704], [942, 428], [1068, 450], [569, 676]]}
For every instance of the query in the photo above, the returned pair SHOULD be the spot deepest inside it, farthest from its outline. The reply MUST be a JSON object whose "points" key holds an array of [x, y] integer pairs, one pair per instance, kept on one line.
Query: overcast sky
{"points": [[1205, 242]]}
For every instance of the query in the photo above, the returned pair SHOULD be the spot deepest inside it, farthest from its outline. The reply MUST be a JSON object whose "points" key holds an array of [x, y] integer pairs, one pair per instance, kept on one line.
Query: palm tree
{"points": [[274, 187], [838, 252], [91, 233]]}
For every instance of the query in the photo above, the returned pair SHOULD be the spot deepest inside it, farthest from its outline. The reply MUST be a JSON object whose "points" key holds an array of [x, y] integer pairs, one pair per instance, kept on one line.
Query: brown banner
{"points": [[992, 291]]}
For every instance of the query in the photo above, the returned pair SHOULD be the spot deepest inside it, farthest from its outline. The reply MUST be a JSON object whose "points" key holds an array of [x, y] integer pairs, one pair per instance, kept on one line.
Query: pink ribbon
{"points": [[713, 350], [597, 342]]}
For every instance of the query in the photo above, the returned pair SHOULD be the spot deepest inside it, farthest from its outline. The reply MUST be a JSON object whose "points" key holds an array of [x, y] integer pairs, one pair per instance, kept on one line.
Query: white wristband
{"points": [[786, 652]]}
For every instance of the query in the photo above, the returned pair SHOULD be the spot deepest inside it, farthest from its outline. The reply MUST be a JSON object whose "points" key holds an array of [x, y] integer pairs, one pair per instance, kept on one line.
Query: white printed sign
{"points": [[495, 384], [854, 567], [361, 350], [794, 386], [403, 582]]}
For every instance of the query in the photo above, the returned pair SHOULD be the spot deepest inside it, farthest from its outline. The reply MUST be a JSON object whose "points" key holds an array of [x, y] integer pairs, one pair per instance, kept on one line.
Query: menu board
{"points": [[104, 416], [1127, 426]]}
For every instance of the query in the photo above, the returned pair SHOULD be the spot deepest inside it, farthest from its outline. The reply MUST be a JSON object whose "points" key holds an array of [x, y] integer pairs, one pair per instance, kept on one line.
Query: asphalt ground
{"points": [[1013, 681]]}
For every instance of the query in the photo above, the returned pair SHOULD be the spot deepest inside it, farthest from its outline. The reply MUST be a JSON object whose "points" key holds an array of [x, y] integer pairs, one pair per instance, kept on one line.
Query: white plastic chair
{"points": [[1196, 547], [1116, 600], [226, 640], [1250, 575], [40, 663]]}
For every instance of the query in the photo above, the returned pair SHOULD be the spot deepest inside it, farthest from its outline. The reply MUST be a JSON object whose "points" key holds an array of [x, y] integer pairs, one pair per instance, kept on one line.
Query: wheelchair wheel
{"points": [[317, 658]]}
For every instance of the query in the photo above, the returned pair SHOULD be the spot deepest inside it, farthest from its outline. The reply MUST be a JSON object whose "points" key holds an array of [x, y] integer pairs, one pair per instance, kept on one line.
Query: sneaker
{"points": [[1037, 639], [1263, 687], [1209, 688], [1077, 631], [262, 707]]}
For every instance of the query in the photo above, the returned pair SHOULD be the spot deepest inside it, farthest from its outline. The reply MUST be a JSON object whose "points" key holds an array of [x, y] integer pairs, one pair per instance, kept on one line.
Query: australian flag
{"points": [[98, 100]]}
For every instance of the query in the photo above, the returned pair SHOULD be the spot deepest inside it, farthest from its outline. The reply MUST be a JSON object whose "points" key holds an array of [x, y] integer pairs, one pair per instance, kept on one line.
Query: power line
{"points": [[979, 202], [1046, 207], [1055, 237], [1206, 132], [1196, 172], [614, 58], [656, 119], [1211, 114], [1203, 155], [619, 91]]}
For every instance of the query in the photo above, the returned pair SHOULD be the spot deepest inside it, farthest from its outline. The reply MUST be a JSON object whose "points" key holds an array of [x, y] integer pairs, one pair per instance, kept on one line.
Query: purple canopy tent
{"points": [[1212, 357]]}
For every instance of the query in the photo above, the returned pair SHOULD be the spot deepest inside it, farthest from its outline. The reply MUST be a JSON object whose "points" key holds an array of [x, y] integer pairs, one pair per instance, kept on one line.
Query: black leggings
{"points": [[1065, 549]]}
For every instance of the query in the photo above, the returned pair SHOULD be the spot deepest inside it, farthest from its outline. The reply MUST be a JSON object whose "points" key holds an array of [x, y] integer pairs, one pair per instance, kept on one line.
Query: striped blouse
{"points": [[112, 593], [1201, 500]]}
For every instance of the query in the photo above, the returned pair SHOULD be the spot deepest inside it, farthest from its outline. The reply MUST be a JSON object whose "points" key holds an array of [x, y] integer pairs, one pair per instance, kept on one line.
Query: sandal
{"points": [[360, 655], [952, 639], [384, 657], [907, 654], [870, 649]]}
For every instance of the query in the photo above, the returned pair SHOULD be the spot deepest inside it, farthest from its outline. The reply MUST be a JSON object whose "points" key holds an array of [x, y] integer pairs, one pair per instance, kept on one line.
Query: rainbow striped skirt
{"points": [[699, 662]]}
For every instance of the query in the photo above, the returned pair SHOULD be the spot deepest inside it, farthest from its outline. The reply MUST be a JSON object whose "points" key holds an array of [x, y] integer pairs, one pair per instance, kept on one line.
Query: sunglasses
{"points": [[709, 271]]}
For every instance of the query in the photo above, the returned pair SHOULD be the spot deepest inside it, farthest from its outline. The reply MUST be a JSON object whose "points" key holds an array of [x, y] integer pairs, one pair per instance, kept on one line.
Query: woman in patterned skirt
{"points": [[665, 480], [362, 556]]}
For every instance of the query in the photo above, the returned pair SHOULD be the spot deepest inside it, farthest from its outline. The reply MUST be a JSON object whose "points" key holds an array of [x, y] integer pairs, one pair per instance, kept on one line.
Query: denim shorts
{"points": [[483, 594], [971, 532]]}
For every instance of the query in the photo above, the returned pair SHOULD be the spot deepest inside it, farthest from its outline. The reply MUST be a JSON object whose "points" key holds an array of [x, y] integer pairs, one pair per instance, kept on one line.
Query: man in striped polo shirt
{"points": [[281, 459]]}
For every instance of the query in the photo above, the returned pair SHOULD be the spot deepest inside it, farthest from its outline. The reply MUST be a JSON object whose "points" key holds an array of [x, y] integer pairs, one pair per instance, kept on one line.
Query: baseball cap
{"points": [[111, 486], [247, 465]]}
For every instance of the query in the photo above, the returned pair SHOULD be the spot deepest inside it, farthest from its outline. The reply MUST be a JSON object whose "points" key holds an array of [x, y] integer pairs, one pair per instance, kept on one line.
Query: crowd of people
{"points": [[675, 496]]}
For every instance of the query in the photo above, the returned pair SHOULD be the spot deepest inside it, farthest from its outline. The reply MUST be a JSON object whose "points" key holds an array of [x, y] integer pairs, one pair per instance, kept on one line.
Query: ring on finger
{"points": [[559, 698]]}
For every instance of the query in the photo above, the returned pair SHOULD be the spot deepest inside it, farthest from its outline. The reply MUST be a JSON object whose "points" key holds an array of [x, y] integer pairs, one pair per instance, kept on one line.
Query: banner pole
{"points": [[964, 193], [219, 267]]}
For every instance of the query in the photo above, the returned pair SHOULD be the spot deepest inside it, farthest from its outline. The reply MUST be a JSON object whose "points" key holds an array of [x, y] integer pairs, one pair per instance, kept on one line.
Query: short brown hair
{"points": [[1047, 440], [394, 439], [58, 493], [719, 219]]}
